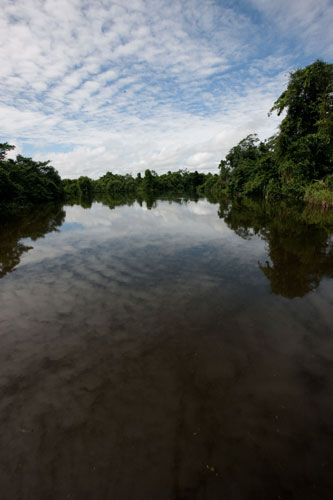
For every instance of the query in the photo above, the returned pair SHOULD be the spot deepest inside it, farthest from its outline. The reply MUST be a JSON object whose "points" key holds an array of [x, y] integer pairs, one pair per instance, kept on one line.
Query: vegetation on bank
{"points": [[115, 185], [25, 182], [296, 163], [320, 192]]}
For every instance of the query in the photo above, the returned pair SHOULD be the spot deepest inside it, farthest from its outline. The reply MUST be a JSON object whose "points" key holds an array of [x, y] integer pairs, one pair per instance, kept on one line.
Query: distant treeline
{"points": [[297, 162], [117, 185]]}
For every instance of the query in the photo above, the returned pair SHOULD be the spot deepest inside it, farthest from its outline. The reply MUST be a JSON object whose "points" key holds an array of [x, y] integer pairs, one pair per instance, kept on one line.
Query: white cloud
{"points": [[144, 84], [309, 22], [183, 223]]}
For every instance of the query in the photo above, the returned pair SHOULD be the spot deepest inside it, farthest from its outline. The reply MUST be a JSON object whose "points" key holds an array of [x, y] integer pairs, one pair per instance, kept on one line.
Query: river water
{"points": [[166, 350]]}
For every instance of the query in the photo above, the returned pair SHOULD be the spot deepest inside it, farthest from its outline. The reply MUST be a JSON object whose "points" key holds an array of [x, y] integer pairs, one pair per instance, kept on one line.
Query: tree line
{"points": [[116, 185], [297, 162]]}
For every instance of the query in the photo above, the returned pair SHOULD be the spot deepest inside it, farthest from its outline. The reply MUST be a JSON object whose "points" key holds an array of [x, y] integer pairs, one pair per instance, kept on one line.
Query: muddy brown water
{"points": [[172, 351]]}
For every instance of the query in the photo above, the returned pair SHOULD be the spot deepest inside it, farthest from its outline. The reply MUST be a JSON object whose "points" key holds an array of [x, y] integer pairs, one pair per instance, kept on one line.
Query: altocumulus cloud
{"points": [[101, 85]]}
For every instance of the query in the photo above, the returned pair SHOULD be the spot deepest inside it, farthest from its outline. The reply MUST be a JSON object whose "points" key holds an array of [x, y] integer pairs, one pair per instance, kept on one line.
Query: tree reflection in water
{"points": [[300, 244], [33, 224]]}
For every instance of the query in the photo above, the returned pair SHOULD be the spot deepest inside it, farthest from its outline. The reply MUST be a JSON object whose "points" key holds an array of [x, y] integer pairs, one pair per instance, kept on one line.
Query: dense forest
{"points": [[25, 182], [297, 162], [115, 185]]}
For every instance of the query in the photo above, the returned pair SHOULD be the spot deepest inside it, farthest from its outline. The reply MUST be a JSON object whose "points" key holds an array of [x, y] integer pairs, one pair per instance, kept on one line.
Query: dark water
{"points": [[183, 351]]}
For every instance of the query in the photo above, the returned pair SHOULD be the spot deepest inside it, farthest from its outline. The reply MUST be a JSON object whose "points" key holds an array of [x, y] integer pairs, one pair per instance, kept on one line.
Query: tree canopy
{"points": [[300, 155], [24, 181]]}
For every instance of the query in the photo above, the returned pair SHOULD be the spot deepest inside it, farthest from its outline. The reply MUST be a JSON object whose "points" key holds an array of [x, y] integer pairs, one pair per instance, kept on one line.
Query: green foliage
{"points": [[85, 186], [300, 154], [118, 185], [4, 148], [211, 186], [149, 181], [24, 181], [115, 184], [320, 192], [304, 146], [307, 100], [249, 168], [71, 188]]}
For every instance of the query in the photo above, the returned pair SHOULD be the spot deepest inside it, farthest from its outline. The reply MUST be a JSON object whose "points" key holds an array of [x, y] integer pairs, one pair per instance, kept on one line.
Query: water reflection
{"points": [[300, 244], [299, 240], [34, 224], [143, 356]]}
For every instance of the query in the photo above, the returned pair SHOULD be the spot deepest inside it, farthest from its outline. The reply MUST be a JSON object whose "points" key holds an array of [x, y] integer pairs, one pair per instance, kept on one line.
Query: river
{"points": [[170, 349]]}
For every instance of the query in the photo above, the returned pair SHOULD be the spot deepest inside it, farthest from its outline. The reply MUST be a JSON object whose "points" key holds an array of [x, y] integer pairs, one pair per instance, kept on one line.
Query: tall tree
{"points": [[305, 142]]}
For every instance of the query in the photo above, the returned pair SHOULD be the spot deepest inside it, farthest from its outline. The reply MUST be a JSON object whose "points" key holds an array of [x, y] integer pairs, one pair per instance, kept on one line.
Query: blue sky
{"points": [[123, 86]]}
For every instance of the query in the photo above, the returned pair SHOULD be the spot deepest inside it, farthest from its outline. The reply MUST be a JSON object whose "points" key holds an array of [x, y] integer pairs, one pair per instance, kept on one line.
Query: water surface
{"points": [[166, 350]]}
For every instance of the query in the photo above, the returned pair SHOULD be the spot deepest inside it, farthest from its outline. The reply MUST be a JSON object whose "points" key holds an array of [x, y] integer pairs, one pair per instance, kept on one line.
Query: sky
{"points": [[103, 85]]}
